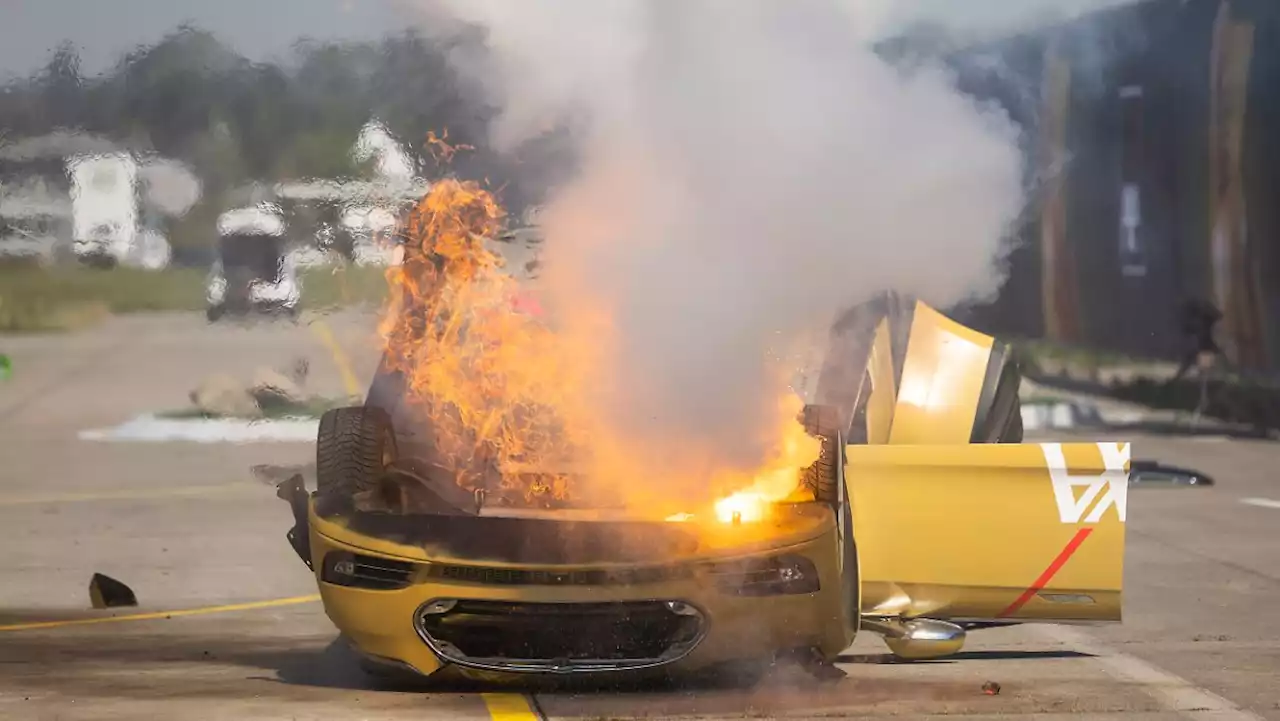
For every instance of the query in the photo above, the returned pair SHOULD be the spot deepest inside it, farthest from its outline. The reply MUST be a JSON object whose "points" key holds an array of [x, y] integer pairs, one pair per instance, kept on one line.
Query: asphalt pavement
{"points": [[228, 625]]}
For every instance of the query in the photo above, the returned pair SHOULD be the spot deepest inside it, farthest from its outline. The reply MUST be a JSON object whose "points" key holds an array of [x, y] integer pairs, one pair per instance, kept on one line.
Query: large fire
{"points": [[495, 384]]}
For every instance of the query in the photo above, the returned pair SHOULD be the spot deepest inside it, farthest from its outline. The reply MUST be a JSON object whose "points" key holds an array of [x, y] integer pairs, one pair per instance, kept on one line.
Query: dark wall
{"points": [[1159, 141], [1143, 124], [1262, 163]]}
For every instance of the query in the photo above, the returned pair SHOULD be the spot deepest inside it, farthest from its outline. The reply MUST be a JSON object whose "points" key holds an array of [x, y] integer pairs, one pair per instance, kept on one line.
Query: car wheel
{"points": [[826, 478], [214, 313], [824, 475], [353, 448]]}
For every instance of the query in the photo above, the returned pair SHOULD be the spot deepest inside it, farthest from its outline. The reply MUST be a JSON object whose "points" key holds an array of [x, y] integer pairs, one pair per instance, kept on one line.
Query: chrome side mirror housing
{"points": [[918, 639]]}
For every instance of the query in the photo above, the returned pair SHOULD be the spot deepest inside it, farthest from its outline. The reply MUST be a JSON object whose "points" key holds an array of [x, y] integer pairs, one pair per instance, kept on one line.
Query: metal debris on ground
{"points": [[107, 592], [991, 688], [813, 663]]}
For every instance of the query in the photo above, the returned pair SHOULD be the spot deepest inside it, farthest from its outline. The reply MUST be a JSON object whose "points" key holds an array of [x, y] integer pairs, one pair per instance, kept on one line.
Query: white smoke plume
{"points": [[971, 19], [748, 168]]}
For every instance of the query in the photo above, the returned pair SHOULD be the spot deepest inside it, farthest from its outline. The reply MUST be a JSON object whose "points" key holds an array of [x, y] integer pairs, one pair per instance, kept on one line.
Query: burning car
{"points": [[448, 545]]}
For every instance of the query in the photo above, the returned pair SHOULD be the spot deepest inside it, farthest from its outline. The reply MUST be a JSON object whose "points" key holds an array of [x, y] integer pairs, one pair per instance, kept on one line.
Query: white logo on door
{"points": [[1112, 485]]}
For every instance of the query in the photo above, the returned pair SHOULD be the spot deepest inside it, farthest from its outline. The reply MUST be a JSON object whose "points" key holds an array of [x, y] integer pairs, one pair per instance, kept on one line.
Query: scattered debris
{"points": [[270, 393], [273, 388], [6, 367], [991, 688], [223, 396], [273, 475], [299, 371], [107, 592], [295, 492], [812, 662]]}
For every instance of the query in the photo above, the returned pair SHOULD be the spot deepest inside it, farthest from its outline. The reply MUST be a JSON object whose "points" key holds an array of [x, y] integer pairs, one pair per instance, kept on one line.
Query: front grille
{"points": [[546, 577], [560, 637]]}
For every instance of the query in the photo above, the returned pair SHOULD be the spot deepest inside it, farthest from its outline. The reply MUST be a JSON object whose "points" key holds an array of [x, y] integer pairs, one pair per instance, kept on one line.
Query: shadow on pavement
{"points": [[994, 655]]}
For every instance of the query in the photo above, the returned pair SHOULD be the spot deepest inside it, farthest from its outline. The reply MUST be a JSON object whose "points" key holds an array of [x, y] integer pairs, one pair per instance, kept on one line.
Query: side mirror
{"points": [[918, 639], [1150, 473]]}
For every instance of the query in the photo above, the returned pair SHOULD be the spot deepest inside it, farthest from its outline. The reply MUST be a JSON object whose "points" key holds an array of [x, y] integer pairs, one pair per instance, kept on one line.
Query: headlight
{"points": [[341, 568], [784, 575]]}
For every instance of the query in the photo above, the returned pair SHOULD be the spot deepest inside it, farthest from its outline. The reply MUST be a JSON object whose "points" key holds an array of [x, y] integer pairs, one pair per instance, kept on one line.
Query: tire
{"points": [[214, 313], [823, 477], [826, 478], [353, 447]]}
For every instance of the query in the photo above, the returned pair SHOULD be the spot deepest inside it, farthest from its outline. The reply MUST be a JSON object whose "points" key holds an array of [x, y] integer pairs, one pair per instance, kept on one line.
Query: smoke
{"points": [[747, 169], [973, 20]]}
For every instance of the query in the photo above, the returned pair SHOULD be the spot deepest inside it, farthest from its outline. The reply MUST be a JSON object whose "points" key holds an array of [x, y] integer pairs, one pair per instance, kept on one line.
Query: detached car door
{"points": [[990, 532]]}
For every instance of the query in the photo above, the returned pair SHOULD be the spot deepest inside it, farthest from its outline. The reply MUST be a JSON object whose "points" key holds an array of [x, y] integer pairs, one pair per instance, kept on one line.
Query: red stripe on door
{"points": [[1072, 546]]}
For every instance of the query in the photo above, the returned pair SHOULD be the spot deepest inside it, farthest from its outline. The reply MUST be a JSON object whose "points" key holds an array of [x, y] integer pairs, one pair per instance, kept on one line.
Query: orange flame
{"points": [[494, 384], [779, 478]]}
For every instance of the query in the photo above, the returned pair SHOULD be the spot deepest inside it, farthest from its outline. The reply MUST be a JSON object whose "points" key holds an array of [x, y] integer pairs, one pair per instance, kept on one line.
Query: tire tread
{"points": [[350, 447]]}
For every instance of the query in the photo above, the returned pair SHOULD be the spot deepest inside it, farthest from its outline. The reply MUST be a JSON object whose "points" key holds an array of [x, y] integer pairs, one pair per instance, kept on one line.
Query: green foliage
{"points": [[66, 298], [192, 97]]}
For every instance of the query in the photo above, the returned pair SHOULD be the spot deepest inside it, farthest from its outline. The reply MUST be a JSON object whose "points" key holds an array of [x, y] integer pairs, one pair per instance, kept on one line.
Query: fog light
{"points": [[791, 573], [779, 576], [341, 568]]}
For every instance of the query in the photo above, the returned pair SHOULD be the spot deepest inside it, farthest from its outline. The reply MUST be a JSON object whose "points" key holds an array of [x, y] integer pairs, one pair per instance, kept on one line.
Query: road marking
{"points": [[231, 608], [1260, 502], [509, 707], [1173, 692], [322, 331], [148, 428], [1065, 555], [128, 494]]}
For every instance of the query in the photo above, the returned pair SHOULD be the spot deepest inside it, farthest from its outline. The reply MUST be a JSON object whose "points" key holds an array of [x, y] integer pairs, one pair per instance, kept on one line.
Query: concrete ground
{"points": [[228, 626]]}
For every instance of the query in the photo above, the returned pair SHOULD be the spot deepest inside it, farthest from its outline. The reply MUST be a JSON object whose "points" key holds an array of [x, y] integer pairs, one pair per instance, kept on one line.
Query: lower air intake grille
{"points": [[560, 637]]}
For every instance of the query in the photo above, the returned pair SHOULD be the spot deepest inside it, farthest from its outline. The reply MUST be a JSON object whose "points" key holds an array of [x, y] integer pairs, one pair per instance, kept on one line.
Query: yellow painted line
{"points": [[127, 494], [231, 608], [322, 331], [509, 707]]}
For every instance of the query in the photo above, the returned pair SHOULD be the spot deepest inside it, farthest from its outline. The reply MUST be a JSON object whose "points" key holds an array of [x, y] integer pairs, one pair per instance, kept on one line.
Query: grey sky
{"points": [[106, 29]]}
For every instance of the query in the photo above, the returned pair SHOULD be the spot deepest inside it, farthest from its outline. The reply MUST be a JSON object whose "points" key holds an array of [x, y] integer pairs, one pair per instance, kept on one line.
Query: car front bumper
{"points": [[683, 623]]}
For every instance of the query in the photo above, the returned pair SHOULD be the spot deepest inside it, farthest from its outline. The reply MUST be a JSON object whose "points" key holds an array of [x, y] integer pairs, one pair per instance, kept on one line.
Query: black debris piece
{"points": [[107, 592]]}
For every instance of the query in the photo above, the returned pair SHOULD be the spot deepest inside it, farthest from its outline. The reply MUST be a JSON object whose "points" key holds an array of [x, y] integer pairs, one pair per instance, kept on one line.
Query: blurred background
{"points": [[1149, 130]]}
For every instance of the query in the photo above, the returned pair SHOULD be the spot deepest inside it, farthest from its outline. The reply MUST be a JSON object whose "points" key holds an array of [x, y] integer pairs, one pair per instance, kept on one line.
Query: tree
{"points": [[61, 88]]}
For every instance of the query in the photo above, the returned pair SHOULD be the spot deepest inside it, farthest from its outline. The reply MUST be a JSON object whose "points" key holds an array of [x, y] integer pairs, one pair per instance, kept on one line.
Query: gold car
{"points": [[927, 517]]}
